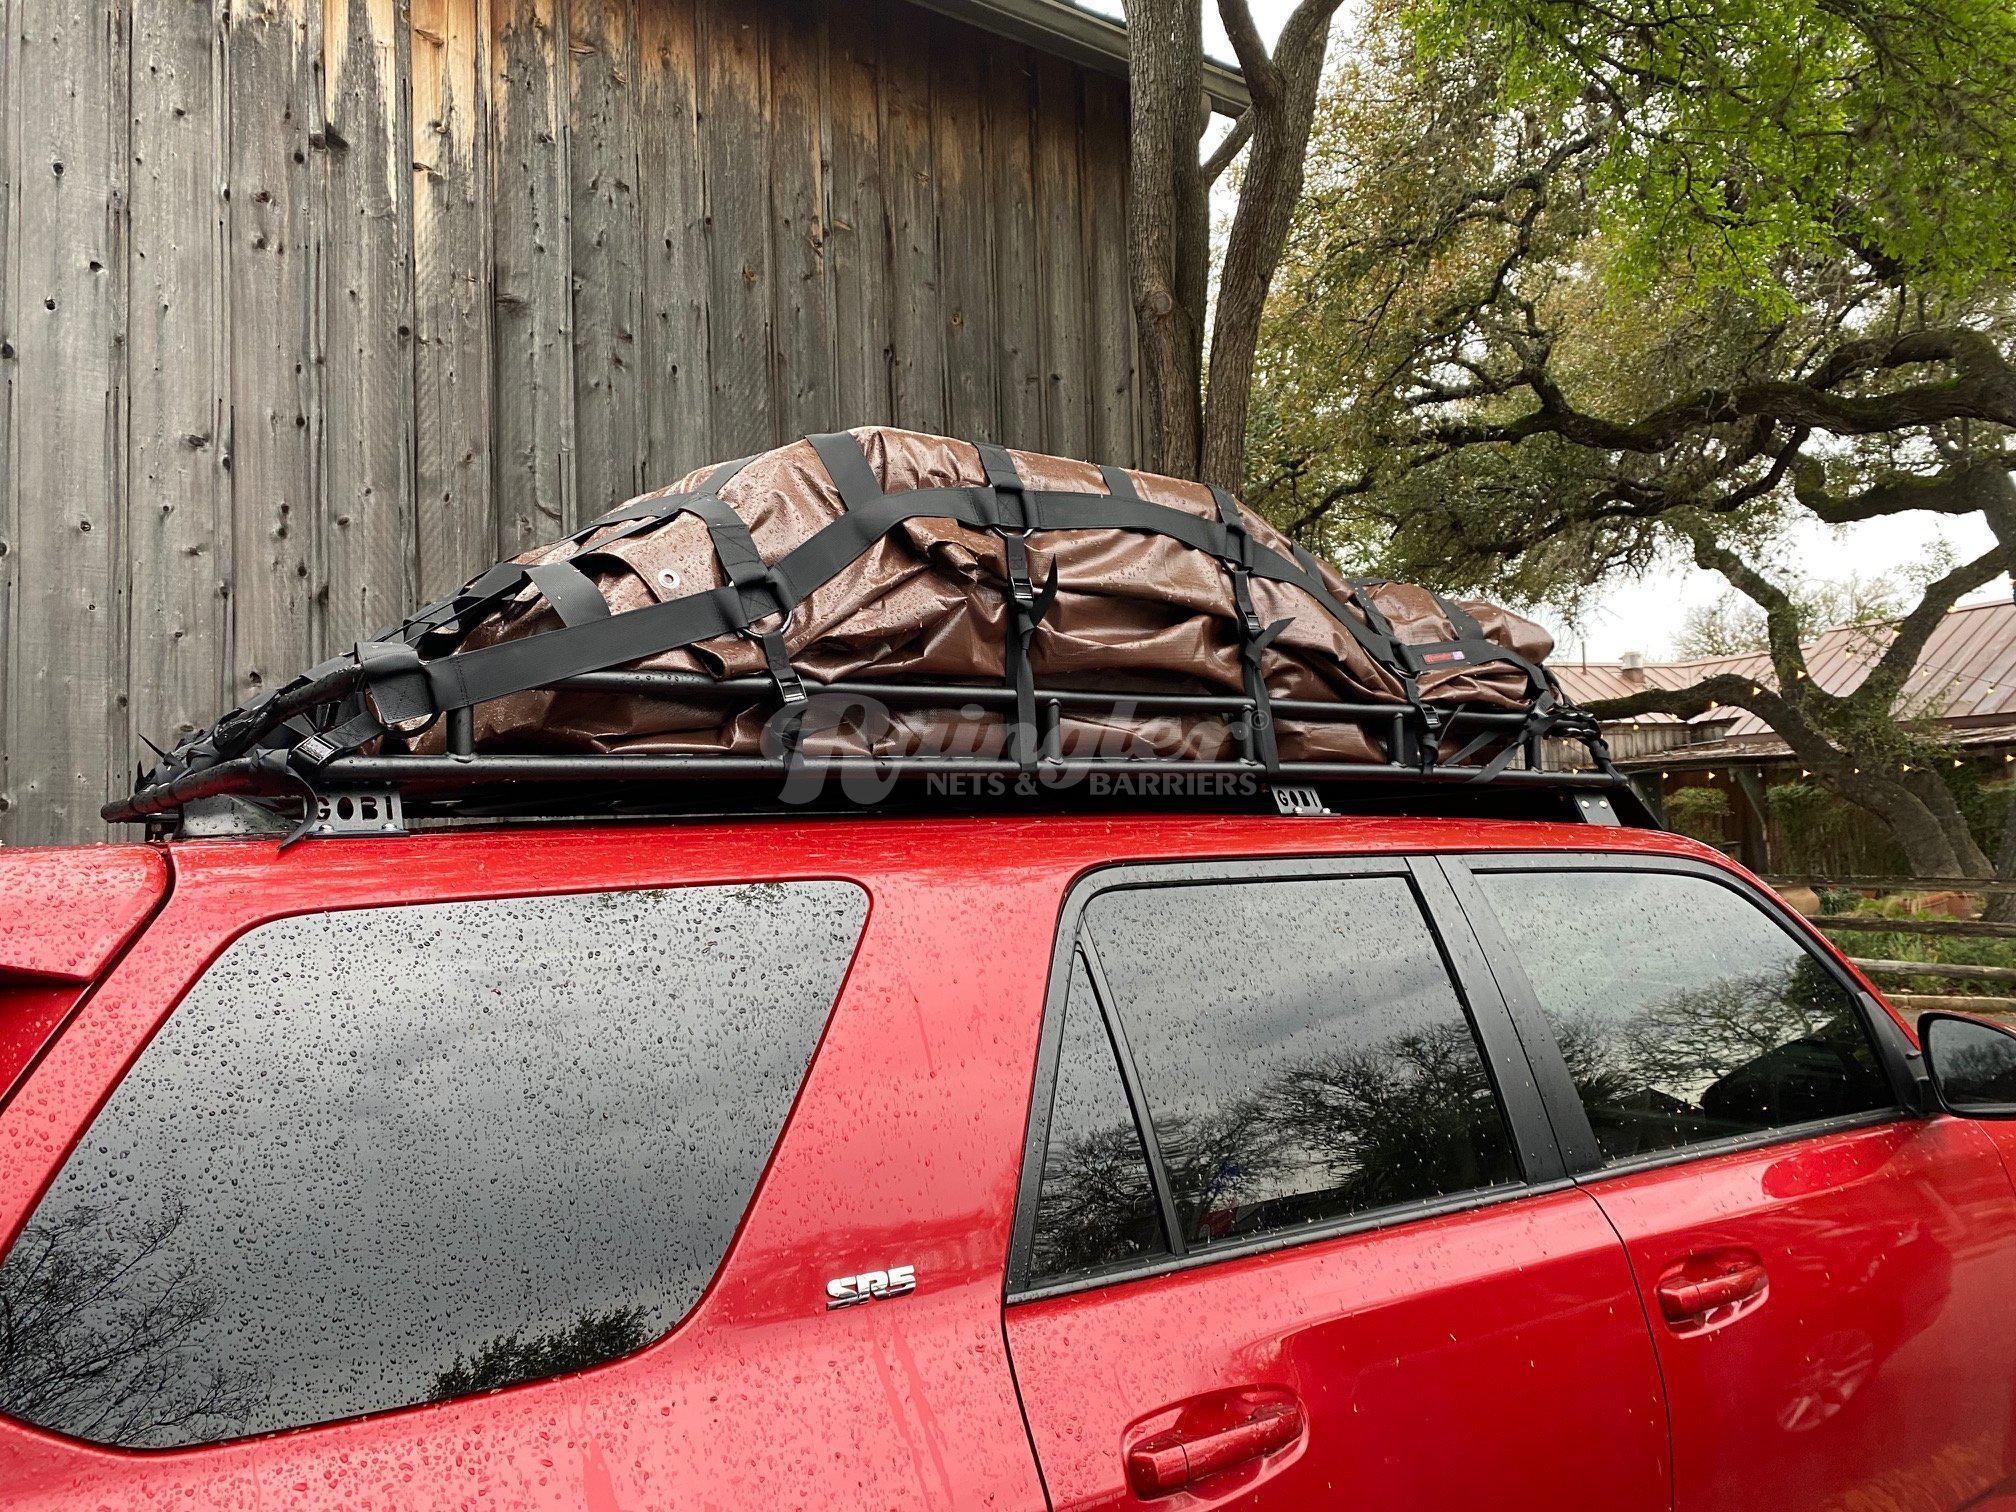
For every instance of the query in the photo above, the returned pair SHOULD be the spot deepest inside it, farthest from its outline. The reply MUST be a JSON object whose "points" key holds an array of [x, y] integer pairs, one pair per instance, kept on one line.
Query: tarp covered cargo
{"points": [[882, 556]]}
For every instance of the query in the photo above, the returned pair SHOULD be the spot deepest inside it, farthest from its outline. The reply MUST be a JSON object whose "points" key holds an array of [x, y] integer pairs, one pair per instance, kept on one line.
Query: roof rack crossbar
{"points": [[461, 773]]}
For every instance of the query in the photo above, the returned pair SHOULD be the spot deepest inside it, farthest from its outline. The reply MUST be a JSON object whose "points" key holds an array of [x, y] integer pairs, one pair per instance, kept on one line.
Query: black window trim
{"points": [[1535, 1150], [1578, 1137]]}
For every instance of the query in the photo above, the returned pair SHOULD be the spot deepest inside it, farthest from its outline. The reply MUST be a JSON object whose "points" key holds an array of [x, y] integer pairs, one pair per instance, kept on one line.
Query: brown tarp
{"points": [[927, 602]]}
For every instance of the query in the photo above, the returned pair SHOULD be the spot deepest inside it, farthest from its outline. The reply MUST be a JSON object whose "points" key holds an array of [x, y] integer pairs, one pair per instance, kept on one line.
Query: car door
{"points": [[457, 1170], [1830, 1278], [1293, 1230]]}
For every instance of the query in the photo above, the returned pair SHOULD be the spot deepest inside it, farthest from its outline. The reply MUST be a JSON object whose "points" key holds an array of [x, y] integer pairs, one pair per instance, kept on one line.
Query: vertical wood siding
{"points": [[309, 308]]}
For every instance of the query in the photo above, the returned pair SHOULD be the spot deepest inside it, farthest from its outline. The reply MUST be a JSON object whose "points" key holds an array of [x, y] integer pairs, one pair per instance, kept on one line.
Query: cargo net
{"points": [[883, 601]]}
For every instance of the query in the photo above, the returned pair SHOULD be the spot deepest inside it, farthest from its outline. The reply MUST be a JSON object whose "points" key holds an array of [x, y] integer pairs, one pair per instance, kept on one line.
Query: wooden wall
{"points": [[311, 307]]}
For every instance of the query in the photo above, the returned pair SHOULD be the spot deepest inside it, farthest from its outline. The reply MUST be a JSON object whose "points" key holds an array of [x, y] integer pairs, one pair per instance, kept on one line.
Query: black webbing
{"points": [[847, 465], [1254, 638], [1005, 505], [1026, 606], [570, 591]]}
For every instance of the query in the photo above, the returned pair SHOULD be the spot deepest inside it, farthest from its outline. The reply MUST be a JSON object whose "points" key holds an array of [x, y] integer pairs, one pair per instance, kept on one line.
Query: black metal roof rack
{"points": [[337, 745], [360, 793]]}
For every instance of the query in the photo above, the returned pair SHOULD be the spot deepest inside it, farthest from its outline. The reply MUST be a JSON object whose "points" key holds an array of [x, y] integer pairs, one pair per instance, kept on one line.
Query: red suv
{"points": [[1081, 1161]]}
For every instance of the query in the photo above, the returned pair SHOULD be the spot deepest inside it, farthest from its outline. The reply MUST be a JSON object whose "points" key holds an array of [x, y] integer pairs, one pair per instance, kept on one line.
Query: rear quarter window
{"points": [[399, 1155]]}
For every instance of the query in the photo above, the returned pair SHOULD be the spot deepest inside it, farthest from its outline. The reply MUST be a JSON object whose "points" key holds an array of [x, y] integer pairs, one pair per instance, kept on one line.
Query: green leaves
{"points": [[1753, 133]]}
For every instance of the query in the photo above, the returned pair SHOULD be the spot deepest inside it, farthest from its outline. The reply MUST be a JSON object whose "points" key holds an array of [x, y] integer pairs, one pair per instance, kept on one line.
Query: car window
{"points": [[1097, 1205], [1684, 1011], [1302, 1051], [399, 1155]]}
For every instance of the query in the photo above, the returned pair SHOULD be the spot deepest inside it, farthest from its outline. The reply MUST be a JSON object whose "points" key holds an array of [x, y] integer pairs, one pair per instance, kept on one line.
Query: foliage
{"points": [[1752, 135], [509, 1359], [1733, 625], [1578, 292], [1951, 950], [1701, 812]]}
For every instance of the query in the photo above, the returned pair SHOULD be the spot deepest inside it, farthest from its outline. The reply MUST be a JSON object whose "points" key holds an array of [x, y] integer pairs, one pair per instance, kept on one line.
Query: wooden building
{"points": [[311, 307]]}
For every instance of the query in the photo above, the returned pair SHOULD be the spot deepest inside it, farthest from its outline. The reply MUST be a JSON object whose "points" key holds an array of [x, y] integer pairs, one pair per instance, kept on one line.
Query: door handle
{"points": [[1702, 1287], [1174, 1459]]}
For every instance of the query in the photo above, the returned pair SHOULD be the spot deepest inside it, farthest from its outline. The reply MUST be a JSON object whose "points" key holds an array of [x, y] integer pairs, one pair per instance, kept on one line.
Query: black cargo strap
{"points": [[847, 465], [1254, 638], [1027, 605], [1539, 718], [1005, 505]]}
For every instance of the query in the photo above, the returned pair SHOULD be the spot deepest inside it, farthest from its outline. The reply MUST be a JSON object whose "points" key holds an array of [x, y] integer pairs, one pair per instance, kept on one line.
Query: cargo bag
{"points": [[883, 594]]}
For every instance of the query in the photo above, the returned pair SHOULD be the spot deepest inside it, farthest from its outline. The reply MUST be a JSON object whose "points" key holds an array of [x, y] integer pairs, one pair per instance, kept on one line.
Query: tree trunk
{"points": [[1927, 843], [1267, 199], [1166, 205]]}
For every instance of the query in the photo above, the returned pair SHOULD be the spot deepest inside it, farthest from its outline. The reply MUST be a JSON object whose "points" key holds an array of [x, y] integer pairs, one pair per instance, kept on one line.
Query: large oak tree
{"points": [[1581, 289]]}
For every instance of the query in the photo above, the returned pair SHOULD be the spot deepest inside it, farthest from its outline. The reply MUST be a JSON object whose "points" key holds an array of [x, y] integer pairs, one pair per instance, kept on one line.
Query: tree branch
{"points": [[1915, 629], [1262, 81], [1234, 143]]}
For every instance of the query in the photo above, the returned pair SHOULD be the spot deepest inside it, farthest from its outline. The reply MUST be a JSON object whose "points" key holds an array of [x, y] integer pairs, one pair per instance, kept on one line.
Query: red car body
{"points": [[1822, 1320]]}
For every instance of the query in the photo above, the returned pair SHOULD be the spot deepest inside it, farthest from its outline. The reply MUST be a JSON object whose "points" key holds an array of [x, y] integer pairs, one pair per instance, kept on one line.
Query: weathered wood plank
{"points": [[1950, 970], [965, 240], [457, 517], [178, 549], [1940, 1002], [1109, 314], [271, 48], [857, 237], [10, 554], [1895, 884], [1067, 415], [66, 646], [1859, 924], [806, 370], [602, 156], [1018, 303], [673, 194], [369, 550], [734, 81], [533, 453], [917, 322]]}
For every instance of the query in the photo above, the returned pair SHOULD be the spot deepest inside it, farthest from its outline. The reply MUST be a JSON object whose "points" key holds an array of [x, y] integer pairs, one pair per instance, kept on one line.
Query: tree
{"points": [[1580, 290], [1192, 433]]}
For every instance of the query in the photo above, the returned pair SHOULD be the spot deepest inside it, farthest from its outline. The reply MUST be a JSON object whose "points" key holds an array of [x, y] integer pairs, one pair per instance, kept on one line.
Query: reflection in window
{"points": [[1684, 1012], [396, 1155], [1302, 1050], [1097, 1206]]}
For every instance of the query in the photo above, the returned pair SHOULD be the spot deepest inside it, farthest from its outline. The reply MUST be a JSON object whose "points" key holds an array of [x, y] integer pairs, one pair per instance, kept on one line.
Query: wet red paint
{"points": [[1499, 1357]]}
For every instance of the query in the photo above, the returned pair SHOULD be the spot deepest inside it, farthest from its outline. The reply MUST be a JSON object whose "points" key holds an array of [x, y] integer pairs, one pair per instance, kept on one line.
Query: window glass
{"points": [[1302, 1051], [1097, 1206], [1685, 1013], [399, 1155]]}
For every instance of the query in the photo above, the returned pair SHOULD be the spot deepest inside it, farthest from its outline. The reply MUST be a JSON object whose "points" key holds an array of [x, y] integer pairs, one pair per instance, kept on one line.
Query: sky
{"points": [[1648, 614]]}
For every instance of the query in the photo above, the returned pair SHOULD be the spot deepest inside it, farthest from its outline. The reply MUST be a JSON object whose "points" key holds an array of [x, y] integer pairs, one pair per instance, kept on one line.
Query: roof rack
{"points": [[462, 782], [389, 728]]}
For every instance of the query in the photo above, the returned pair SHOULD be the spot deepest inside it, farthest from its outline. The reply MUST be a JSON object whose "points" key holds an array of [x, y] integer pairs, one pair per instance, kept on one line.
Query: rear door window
{"points": [[1301, 1049], [1685, 1012], [399, 1155]]}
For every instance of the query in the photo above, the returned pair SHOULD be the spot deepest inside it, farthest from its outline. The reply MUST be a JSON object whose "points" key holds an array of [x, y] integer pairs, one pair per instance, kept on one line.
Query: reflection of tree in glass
{"points": [[1776, 1046], [1097, 1204], [1410, 1118], [1413, 1117], [508, 1359], [1980, 1071], [97, 1319]]}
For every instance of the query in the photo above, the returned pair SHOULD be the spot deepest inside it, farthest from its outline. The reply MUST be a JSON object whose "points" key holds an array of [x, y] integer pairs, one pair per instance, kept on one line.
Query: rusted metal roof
{"points": [[1966, 673]]}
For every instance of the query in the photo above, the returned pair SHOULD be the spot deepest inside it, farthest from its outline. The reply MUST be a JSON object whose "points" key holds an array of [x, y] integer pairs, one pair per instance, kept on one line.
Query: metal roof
{"points": [[1083, 36], [1967, 671]]}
